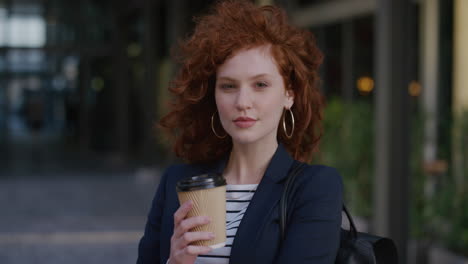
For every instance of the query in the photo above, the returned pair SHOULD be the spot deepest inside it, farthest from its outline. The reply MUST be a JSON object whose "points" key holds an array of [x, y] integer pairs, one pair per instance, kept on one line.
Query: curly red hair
{"points": [[230, 27]]}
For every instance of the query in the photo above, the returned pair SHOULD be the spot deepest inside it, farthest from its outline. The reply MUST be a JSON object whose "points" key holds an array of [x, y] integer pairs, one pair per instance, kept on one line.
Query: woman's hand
{"points": [[181, 251]]}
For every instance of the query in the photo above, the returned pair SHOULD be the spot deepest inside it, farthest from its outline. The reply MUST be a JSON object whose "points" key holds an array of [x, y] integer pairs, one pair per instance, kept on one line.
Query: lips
{"points": [[244, 122]]}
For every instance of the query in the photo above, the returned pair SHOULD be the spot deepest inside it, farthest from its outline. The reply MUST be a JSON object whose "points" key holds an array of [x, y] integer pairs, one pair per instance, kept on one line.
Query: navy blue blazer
{"points": [[313, 230]]}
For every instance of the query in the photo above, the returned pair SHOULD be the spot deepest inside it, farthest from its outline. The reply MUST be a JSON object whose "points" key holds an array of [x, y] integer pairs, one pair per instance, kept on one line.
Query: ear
{"points": [[289, 99]]}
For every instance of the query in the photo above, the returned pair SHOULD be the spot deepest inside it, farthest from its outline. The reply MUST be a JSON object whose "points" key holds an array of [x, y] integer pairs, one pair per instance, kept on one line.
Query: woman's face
{"points": [[250, 96]]}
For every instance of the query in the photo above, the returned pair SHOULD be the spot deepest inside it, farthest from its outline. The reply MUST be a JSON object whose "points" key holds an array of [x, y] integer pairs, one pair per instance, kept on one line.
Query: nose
{"points": [[244, 99]]}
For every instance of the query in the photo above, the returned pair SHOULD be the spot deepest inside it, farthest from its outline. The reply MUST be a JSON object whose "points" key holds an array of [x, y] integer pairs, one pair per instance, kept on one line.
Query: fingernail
{"points": [[212, 235], [208, 219]]}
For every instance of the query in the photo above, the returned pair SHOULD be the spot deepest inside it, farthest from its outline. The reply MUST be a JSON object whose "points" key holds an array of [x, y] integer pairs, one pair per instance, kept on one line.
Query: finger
{"points": [[196, 250], [190, 237], [189, 223], [181, 213]]}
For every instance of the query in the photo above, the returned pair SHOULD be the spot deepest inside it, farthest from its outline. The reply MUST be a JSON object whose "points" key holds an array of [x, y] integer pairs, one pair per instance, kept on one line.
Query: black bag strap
{"points": [[296, 169], [352, 228]]}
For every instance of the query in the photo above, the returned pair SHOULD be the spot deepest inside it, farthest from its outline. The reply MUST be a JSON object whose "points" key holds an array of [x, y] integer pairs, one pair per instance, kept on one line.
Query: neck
{"points": [[247, 163]]}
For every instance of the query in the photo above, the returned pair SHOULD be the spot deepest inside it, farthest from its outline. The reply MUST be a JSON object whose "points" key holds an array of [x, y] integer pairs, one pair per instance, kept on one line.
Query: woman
{"points": [[247, 105]]}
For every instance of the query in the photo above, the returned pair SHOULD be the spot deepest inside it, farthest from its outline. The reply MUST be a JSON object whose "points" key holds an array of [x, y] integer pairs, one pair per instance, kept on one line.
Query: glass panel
{"points": [[26, 31], [3, 23], [20, 60]]}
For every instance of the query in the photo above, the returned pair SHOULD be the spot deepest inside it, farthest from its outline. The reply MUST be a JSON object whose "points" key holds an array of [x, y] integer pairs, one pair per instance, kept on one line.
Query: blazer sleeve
{"points": [[149, 246], [313, 229]]}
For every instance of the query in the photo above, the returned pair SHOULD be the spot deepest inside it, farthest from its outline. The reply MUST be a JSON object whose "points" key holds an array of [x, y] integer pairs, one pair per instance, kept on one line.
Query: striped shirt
{"points": [[237, 200]]}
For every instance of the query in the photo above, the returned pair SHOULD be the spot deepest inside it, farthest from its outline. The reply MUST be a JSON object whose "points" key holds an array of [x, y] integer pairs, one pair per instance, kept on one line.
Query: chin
{"points": [[247, 139], [243, 138], [250, 137]]}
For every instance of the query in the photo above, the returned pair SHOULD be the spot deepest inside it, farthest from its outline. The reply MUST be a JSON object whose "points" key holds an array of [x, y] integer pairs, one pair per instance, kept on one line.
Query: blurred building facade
{"points": [[84, 75]]}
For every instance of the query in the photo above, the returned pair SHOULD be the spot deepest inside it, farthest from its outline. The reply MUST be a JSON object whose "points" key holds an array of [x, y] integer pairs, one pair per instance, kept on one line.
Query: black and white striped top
{"points": [[237, 200]]}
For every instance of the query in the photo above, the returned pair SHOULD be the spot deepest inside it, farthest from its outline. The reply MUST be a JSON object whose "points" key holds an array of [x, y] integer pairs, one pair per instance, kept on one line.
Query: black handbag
{"points": [[355, 247]]}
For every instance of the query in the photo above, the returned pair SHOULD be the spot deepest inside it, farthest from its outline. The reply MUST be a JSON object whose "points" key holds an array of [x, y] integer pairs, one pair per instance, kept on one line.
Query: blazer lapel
{"points": [[268, 194]]}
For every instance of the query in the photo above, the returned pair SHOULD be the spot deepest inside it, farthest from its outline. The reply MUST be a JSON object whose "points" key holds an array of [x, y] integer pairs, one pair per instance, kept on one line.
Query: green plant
{"points": [[347, 145], [439, 201], [420, 209], [444, 215], [457, 237]]}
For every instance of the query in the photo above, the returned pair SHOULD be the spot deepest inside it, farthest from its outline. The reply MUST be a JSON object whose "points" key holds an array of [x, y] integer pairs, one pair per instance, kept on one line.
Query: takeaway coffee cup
{"points": [[208, 194]]}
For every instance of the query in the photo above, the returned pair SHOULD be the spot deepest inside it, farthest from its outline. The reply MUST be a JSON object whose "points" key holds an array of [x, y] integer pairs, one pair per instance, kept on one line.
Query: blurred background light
{"points": [[97, 83], [414, 88], [27, 31], [365, 85], [134, 50]]}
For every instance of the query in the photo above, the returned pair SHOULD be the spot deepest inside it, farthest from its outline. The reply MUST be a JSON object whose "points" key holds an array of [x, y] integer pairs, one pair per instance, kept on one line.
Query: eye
{"points": [[261, 84], [226, 86]]}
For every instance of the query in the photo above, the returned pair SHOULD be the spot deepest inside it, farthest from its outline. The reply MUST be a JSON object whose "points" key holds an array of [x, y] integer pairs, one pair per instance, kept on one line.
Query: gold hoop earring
{"points": [[289, 136], [212, 127]]}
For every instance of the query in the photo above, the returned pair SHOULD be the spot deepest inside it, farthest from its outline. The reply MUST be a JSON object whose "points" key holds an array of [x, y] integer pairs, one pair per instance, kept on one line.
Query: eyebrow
{"points": [[251, 78]]}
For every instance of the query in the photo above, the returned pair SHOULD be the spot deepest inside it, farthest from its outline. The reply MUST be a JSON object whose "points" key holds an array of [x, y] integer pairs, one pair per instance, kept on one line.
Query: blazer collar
{"points": [[261, 207], [279, 165], [276, 171]]}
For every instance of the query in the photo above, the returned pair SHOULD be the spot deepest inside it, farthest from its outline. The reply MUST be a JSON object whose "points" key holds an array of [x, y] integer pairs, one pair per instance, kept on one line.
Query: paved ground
{"points": [[89, 218]]}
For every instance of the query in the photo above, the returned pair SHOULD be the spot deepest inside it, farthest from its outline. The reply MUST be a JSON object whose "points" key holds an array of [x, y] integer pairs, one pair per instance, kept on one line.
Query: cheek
{"points": [[273, 112], [220, 102], [278, 114], [222, 105], [275, 105]]}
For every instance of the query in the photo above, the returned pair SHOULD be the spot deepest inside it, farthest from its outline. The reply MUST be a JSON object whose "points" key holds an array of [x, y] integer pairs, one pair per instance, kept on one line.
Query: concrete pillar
{"points": [[176, 18], [460, 83], [460, 76], [347, 61], [148, 91], [392, 123], [120, 86], [322, 44], [429, 61]]}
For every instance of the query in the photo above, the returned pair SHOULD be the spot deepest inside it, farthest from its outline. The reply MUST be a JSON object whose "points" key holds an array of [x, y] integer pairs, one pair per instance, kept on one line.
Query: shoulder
{"points": [[320, 180], [177, 169], [321, 173], [175, 172]]}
